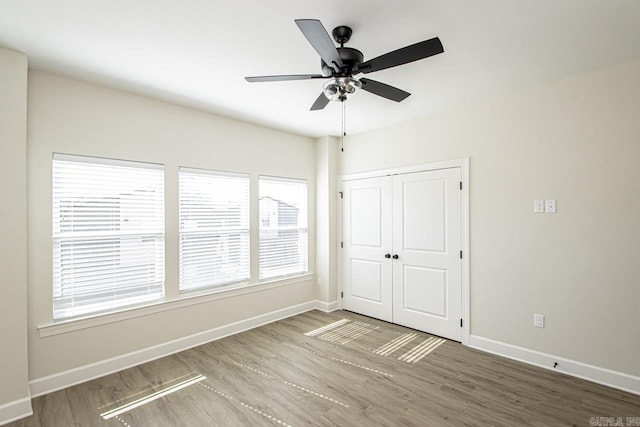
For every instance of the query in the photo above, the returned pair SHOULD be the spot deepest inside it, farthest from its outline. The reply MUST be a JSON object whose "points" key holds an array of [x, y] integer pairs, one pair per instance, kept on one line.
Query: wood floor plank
{"points": [[54, 410]]}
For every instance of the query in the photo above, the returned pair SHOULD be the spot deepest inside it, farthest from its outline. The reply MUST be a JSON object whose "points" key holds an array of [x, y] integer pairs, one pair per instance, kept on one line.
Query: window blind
{"points": [[283, 227], [108, 234], [214, 228]]}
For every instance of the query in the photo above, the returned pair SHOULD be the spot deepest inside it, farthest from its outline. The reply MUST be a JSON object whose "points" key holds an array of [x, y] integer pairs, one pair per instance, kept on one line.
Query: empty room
{"points": [[320, 213]]}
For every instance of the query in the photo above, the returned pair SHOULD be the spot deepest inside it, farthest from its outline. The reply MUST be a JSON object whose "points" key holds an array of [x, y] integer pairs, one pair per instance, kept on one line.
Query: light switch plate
{"points": [[538, 320], [550, 206], [538, 206]]}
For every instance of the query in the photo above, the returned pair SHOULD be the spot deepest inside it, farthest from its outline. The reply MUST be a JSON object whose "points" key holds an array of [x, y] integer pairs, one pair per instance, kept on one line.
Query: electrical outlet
{"points": [[538, 320]]}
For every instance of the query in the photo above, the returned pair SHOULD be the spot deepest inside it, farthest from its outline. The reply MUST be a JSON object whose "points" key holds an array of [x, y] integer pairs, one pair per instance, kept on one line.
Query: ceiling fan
{"points": [[340, 64]]}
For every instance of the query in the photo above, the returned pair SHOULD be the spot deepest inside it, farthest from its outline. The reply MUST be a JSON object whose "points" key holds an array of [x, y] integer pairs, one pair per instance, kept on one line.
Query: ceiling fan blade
{"points": [[317, 35], [284, 78], [384, 90], [320, 103], [404, 55]]}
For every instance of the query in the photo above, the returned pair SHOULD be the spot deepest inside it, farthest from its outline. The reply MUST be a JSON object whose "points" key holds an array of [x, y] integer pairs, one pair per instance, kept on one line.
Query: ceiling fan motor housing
{"points": [[351, 58]]}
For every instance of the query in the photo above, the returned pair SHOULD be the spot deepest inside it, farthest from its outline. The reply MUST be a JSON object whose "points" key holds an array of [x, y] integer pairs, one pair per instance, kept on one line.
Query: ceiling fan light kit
{"points": [[338, 88], [340, 64]]}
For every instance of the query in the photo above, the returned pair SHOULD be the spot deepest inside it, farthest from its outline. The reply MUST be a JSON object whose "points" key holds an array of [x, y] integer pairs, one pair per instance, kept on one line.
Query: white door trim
{"points": [[463, 164], [424, 167]]}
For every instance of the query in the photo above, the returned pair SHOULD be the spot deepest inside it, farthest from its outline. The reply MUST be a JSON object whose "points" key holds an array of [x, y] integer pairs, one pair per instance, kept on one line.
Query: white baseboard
{"points": [[51, 383], [327, 307], [596, 374], [15, 410]]}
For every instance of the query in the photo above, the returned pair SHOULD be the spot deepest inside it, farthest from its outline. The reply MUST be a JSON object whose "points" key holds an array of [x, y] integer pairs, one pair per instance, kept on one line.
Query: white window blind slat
{"points": [[108, 234], [214, 229], [283, 227]]}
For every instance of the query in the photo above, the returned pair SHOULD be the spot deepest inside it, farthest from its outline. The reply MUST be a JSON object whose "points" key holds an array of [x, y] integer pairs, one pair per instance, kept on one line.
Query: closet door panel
{"points": [[427, 240], [367, 275]]}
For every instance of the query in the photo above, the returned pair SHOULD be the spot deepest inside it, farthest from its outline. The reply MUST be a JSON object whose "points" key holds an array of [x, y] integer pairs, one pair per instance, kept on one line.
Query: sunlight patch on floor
{"points": [[151, 397], [327, 327], [421, 350], [395, 344], [348, 332]]}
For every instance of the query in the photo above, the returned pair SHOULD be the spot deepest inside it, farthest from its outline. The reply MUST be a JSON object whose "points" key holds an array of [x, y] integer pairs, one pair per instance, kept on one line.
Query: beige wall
{"points": [[577, 141], [72, 117], [13, 227]]}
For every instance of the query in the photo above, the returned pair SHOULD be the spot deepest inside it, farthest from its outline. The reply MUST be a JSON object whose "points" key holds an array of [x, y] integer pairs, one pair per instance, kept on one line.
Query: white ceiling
{"points": [[196, 52]]}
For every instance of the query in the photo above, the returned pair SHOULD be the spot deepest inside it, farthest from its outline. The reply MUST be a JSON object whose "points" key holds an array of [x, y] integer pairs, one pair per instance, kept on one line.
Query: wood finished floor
{"points": [[351, 374]]}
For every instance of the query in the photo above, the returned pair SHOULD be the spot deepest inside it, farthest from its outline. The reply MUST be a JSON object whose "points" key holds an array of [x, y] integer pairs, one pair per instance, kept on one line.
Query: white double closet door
{"points": [[402, 242]]}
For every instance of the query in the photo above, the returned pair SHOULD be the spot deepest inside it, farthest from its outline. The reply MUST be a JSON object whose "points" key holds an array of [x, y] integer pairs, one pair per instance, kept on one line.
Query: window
{"points": [[108, 234], [283, 227], [214, 229]]}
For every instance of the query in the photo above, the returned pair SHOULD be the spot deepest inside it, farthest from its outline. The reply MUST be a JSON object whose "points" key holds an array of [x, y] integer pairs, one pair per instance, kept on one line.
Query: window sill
{"points": [[185, 300]]}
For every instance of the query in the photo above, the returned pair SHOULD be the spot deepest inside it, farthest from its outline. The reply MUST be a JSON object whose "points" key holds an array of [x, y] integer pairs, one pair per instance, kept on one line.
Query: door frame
{"points": [[463, 164]]}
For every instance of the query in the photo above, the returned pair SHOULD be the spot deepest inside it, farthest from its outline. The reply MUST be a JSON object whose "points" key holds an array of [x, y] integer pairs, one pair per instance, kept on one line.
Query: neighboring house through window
{"points": [[283, 227]]}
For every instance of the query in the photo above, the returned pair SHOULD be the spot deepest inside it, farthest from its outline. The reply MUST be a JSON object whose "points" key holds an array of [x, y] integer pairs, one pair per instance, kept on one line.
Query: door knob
{"points": [[395, 257], [387, 255]]}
